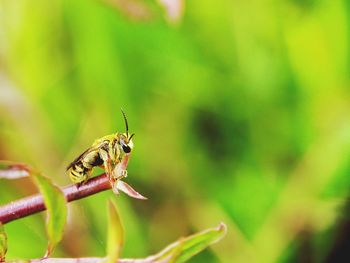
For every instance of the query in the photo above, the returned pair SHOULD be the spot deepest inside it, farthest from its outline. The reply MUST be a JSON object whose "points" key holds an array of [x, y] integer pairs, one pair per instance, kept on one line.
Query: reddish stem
{"points": [[35, 203]]}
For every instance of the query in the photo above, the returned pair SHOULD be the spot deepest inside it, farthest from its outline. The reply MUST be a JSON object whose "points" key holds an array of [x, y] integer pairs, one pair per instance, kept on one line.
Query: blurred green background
{"points": [[240, 108]]}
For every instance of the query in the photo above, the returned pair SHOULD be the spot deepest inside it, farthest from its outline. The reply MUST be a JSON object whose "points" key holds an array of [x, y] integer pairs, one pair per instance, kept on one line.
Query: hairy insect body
{"points": [[110, 152], [106, 152]]}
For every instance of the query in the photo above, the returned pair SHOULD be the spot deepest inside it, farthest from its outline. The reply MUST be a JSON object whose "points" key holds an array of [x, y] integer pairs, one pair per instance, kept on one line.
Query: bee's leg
{"points": [[88, 173], [124, 173], [81, 181], [121, 173], [109, 170], [106, 163], [84, 179]]}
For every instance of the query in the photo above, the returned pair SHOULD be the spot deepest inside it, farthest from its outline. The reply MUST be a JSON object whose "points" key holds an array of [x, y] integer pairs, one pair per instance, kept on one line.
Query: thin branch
{"points": [[35, 203]]}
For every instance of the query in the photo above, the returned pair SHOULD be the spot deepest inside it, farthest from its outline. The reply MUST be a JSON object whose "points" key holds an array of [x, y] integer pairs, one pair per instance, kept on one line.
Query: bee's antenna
{"points": [[126, 122]]}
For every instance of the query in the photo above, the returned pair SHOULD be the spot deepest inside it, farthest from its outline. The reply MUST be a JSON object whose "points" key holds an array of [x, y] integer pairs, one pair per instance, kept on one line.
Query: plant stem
{"points": [[35, 203]]}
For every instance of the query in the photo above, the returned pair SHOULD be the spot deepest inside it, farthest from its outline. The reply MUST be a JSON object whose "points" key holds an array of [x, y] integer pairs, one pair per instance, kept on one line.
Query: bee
{"points": [[110, 152]]}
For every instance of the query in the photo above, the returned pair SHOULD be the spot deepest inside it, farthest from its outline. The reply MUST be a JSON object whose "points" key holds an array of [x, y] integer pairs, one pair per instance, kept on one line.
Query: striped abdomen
{"points": [[79, 173], [80, 170]]}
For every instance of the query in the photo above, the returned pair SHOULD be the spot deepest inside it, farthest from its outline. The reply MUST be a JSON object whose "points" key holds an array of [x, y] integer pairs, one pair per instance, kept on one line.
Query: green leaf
{"points": [[179, 251], [55, 203], [12, 170], [187, 247], [54, 199], [115, 237], [3, 243]]}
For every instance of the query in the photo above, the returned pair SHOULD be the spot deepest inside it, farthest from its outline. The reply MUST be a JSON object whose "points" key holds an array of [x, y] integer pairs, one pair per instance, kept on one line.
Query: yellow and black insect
{"points": [[110, 152]]}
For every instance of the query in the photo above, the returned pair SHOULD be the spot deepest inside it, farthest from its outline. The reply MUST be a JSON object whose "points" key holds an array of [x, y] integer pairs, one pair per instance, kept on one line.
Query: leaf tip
{"points": [[222, 230], [115, 238], [222, 227]]}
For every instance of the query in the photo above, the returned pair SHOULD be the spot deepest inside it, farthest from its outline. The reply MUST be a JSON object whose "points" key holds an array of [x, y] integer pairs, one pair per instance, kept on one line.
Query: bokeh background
{"points": [[240, 108]]}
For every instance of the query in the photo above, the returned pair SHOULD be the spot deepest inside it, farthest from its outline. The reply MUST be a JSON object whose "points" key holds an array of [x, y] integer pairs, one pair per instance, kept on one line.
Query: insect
{"points": [[110, 152]]}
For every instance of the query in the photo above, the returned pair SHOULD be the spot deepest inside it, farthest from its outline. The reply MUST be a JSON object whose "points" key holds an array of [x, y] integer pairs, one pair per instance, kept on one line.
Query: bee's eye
{"points": [[126, 148]]}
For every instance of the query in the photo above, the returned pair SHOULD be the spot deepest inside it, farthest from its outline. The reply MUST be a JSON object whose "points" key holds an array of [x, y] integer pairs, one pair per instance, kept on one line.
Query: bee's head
{"points": [[126, 143], [125, 139]]}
